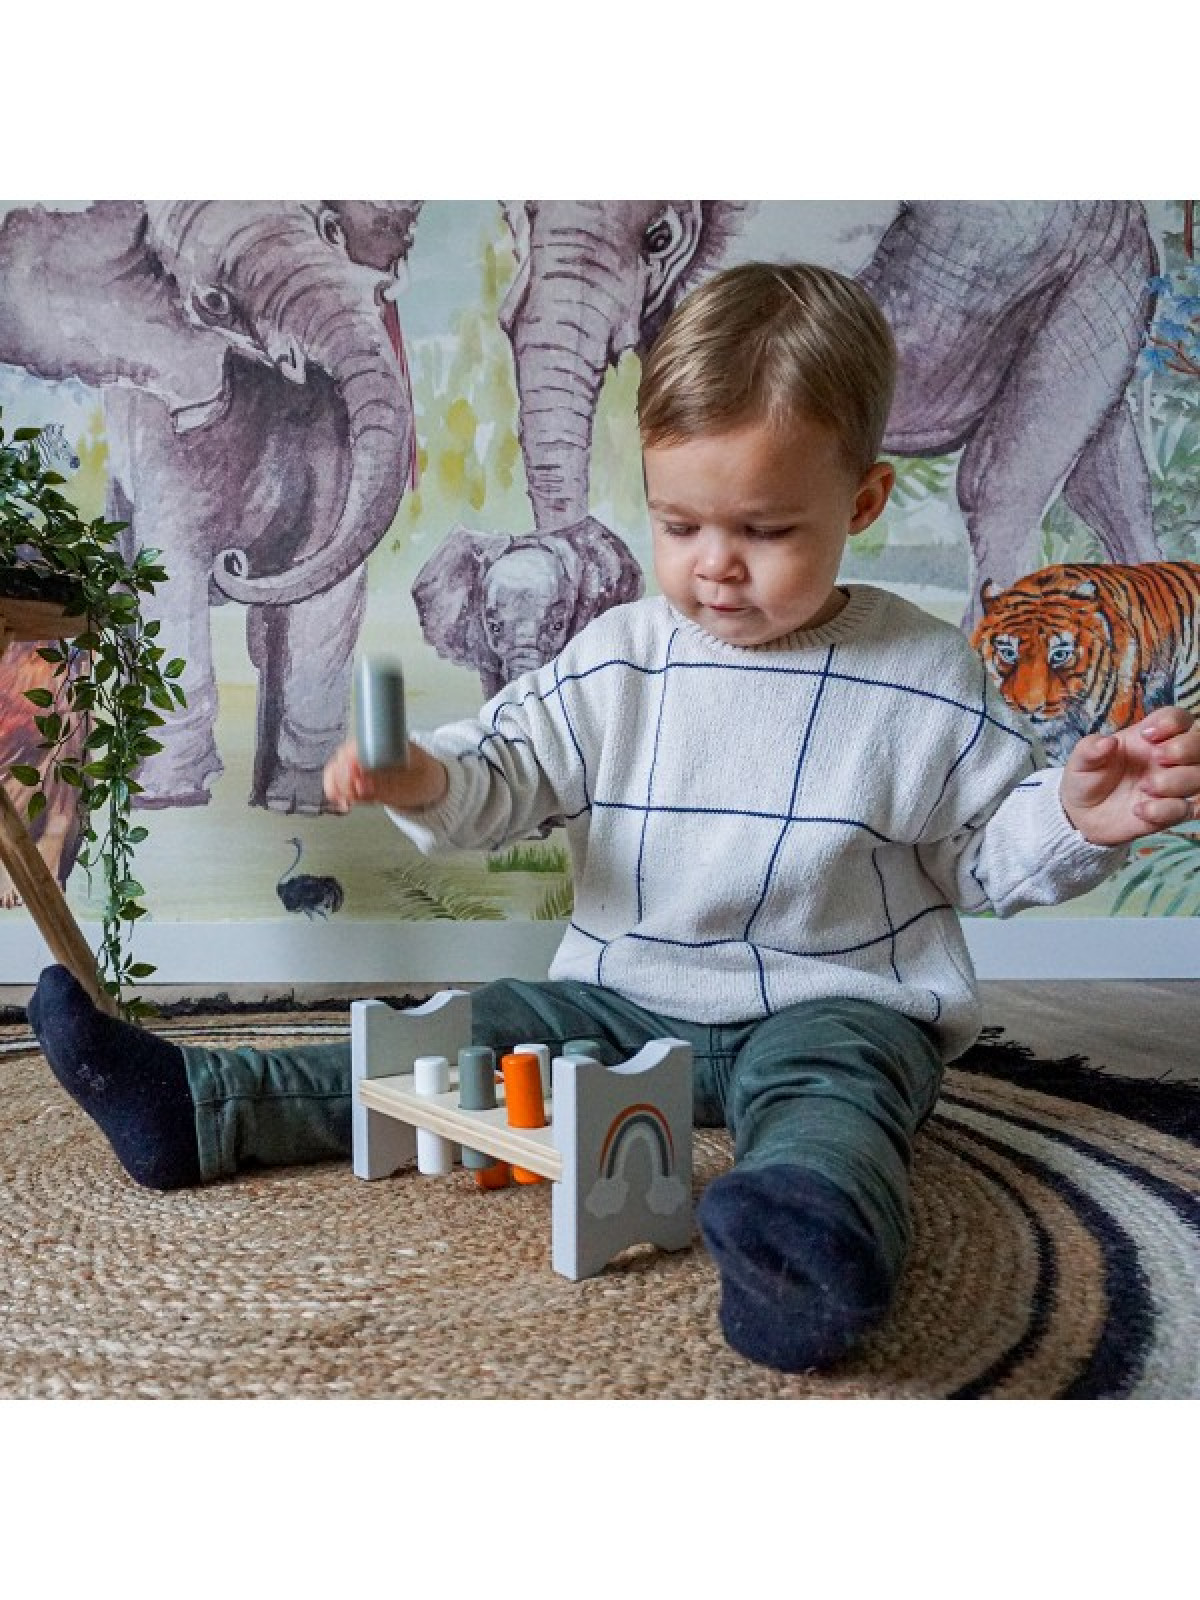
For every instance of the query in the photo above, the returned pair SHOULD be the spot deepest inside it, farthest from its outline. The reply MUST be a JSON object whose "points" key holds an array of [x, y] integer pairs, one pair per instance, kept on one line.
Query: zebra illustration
{"points": [[53, 450]]}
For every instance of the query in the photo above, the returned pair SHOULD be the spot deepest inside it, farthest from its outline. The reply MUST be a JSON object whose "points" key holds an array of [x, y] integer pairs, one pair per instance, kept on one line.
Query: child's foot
{"points": [[130, 1082], [801, 1279]]}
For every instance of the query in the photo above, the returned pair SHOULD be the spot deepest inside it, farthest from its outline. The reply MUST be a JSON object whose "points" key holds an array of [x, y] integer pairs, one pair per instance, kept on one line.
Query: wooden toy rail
{"points": [[618, 1147], [533, 1148]]}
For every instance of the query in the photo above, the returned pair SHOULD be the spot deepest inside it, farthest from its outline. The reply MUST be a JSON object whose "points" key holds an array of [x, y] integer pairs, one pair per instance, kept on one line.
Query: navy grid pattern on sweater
{"points": [[751, 828]]}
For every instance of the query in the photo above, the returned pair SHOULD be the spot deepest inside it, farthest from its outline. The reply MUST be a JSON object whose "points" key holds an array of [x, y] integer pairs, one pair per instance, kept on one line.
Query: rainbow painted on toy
{"points": [[636, 1124]]}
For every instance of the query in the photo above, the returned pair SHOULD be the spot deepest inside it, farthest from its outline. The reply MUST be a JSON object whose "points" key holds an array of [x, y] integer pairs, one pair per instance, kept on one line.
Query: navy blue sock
{"points": [[131, 1083], [802, 1280]]}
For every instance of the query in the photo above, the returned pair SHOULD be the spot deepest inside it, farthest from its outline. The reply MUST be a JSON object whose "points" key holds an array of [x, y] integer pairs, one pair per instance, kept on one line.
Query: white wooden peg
{"points": [[542, 1052], [435, 1155]]}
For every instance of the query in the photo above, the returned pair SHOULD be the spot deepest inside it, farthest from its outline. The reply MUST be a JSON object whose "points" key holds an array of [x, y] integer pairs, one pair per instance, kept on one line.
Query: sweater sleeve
{"points": [[999, 839], [1026, 853], [515, 771]]}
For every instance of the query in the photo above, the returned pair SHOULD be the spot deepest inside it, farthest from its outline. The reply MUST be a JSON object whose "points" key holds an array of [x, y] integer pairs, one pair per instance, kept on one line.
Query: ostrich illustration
{"points": [[312, 895]]}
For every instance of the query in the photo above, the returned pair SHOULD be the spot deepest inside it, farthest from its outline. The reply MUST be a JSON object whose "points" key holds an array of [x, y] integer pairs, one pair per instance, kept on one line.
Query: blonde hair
{"points": [[767, 342]]}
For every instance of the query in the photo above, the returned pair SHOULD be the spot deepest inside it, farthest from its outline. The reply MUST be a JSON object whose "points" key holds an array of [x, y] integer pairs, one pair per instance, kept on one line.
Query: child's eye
{"points": [[767, 533], [679, 529]]}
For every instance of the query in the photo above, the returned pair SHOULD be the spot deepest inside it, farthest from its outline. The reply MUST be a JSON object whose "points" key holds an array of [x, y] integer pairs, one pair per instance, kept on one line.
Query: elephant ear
{"points": [[379, 233], [83, 296], [706, 231], [610, 574], [448, 592]]}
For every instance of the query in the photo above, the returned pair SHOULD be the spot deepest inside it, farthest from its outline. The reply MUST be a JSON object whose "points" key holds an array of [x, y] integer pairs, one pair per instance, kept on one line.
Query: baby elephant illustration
{"points": [[506, 605]]}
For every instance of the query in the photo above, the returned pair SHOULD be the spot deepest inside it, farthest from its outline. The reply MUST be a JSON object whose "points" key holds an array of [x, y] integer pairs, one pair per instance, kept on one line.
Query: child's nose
{"points": [[717, 557]]}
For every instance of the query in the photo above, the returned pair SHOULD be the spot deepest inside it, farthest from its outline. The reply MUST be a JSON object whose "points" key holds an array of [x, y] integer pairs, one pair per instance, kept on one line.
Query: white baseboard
{"points": [[1086, 947], [275, 952]]}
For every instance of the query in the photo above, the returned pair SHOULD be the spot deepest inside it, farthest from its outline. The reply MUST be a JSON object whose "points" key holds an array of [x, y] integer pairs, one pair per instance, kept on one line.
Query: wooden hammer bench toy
{"points": [[616, 1143]]}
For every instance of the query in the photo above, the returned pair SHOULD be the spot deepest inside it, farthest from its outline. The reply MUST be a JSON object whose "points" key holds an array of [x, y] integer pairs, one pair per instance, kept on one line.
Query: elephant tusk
{"points": [[202, 414]]}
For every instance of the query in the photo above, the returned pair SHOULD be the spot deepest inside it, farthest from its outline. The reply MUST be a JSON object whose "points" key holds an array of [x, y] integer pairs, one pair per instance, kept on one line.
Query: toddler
{"points": [[776, 790]]}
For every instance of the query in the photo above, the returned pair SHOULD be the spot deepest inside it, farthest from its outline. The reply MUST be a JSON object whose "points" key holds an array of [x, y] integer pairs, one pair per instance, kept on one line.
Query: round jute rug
{"points": [[1057, 1254]]}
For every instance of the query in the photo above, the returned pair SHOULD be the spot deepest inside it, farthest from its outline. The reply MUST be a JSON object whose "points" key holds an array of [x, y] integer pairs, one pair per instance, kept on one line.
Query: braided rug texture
{"points": [[1057, 1254]]}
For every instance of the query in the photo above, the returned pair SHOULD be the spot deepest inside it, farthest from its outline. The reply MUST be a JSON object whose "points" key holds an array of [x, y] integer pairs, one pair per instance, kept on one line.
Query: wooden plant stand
{"points": [[28, 620]]}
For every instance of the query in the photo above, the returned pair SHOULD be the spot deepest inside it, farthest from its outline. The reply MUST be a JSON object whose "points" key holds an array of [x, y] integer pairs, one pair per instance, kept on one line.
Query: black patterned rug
{"points": [[1057, 1255]]}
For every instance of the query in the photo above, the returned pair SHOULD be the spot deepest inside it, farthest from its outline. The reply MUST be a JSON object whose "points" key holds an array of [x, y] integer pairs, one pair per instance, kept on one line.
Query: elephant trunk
{"points": [[561, 337], [364, 357], [516, 662]]}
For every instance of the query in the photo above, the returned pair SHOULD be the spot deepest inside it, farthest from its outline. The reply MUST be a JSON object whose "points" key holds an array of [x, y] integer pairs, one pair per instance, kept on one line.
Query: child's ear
{"points": [[872, 496]]}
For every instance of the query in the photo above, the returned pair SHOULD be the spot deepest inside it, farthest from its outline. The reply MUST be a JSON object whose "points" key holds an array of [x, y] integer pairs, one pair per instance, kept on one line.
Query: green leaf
{"points": [[105, 699]]}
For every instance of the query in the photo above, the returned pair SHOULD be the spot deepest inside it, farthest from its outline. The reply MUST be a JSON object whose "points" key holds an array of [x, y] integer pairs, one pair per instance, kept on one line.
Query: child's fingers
{"points": [[1165, 723], [1089, 772], [1180, 750], [1171, 783], [342, 778], [1164, 813], [1093, 752]]}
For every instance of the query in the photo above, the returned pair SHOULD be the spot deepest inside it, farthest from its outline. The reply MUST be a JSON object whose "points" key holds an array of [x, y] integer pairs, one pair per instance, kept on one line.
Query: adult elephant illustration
{"points": [[507, 605], [260, 433], [594, 278], [1018, 324]]}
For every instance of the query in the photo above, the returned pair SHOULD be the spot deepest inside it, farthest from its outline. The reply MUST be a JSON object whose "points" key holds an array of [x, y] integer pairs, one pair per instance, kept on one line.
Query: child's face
{"points": [[750, 524]]}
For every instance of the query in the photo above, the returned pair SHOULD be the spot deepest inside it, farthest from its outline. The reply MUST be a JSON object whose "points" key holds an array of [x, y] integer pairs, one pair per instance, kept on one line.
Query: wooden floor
{"points": [[1142, 1029]]}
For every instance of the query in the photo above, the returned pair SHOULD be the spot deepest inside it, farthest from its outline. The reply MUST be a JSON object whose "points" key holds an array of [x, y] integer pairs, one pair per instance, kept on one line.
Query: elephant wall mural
{"points": [[1018, 327], [409, 427], [260, 434]]}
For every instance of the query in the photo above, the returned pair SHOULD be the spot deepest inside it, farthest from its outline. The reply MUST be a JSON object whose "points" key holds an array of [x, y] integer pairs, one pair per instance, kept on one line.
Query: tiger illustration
{"points": [[1090, 648]]}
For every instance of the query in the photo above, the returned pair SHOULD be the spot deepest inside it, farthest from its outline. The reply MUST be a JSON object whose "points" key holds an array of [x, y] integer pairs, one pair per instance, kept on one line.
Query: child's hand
{"points": [[1117, 787], [423, 782]]}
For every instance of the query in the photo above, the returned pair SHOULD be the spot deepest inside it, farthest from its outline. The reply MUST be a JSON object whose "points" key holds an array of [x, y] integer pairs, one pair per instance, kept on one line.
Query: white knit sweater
{"points": [[750, 828]]}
